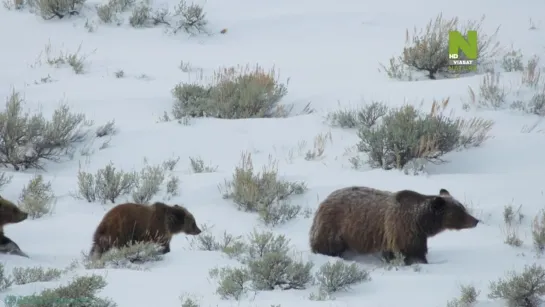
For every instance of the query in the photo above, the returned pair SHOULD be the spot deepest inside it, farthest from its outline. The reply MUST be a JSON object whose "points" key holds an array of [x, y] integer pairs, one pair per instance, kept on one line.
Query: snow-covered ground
{"points": [[331, 52]]}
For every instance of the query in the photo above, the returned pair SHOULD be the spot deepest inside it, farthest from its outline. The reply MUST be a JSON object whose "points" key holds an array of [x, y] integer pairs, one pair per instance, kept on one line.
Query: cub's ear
{"points": [[444, 192], [438, 203], [176, 206]]}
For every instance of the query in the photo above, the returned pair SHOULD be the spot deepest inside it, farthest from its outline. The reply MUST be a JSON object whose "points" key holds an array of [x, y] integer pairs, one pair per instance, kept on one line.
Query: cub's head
{"points": [[10, 213], [181, 220], [451, 213]]}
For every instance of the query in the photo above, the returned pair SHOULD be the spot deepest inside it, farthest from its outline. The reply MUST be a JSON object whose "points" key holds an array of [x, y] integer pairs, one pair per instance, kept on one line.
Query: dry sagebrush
{"points": [[109, 183], [268, 264], [404, 134], [26, 140], [427, 49], [80, 292], [37, 197], [263, 192], [234, 93]]}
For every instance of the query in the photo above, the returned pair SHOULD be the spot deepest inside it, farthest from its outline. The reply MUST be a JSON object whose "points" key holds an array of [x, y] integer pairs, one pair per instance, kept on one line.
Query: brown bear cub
{"points": [[10, 214], [367, 220], [130, 223]]}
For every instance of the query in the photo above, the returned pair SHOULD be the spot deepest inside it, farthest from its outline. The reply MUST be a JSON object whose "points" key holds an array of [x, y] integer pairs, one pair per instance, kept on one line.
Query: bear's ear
{"points": [[444, 192], [438, 203]]}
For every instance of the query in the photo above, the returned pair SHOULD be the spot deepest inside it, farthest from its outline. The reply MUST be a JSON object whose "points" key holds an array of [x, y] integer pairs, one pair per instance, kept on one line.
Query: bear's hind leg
{"points": [[332, 248]]}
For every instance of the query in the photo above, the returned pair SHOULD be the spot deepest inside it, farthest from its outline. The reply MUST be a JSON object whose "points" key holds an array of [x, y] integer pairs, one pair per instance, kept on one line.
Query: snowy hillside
{"points": [[128, 64]]}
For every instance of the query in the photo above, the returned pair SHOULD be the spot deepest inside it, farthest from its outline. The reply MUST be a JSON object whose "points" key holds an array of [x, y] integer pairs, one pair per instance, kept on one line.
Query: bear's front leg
{"points": [[166, 248], [388, 256], [416, 253]]}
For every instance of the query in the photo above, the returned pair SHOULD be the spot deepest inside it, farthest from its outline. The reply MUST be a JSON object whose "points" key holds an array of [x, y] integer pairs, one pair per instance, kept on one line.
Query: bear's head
{"points": [[10, 213], [181, 220], [451, 214]]}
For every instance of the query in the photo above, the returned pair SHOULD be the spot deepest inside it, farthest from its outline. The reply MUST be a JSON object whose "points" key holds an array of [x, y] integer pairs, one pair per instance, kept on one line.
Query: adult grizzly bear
{"points": [[10, 214], [367, 220], [130, 223]]}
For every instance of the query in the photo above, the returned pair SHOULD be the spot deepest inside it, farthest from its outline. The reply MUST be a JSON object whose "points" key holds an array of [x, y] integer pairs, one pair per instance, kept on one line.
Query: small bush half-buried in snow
{"points": [[23, 276], [427, 50], [49, 9], [366, 115], [405, 134], [263, 192], [235, 92], [520, 290], [5, 179], [340, 276], [37, 198], [28, 139], [233, 246], [189, 17], [131, 256], [538, 232], [80, 292], [468, 297], [6, 281], [266, 265], [108, 184]]}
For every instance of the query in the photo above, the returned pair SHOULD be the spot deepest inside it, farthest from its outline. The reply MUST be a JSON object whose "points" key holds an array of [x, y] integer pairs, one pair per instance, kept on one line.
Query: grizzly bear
{"points": [[10, 214], [130, 223], [366, 220]]}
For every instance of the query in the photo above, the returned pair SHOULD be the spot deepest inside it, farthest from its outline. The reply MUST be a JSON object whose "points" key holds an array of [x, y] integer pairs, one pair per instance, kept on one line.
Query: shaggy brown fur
{"points": [[130, 223], [367, 220], [10, 214]]}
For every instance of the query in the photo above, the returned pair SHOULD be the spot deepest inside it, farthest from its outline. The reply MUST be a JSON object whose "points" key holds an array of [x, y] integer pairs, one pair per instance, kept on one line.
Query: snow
{"points": [[331, 53]]}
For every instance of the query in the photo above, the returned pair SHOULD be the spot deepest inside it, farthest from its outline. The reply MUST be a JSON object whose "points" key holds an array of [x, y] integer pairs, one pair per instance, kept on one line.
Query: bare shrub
{"points": [[233, 246], [522, 289], [236, 92], [318, 149], [5, 179], [491, 93], [267, 266], [512, 219], [263, 192], [74, 60], [106, 129], [538, 232], [468, 297], [366, 115], [23, 276], [512, 61], [106, 185], [49, 9], [80, 292], [148, 183], [173, 185], [188, 302], [6, 281], [198, 166], [37, 197], [340, 276], [26, 140], [170, 164], [131, 256], [427, 50], [404, 134], [109, 183], [531, 75]]}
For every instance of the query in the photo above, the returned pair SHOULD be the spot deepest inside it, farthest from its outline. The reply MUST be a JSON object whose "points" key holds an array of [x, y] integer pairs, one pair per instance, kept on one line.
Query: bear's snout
{"points": [[471, 222], [23, 216], [197, 231]]}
